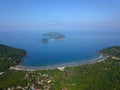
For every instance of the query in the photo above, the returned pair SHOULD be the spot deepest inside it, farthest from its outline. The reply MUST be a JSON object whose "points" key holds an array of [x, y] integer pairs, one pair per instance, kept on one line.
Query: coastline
{"points": [[21, 60], [60, 66]]}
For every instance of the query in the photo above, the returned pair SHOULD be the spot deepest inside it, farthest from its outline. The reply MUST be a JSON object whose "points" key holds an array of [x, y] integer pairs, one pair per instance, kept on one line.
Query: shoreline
{"points": [[60, 66], [21, 60]]}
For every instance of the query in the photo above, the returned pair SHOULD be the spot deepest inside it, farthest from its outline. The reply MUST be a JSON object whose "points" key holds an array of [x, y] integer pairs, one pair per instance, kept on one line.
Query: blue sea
{"points": [[77, 46]]}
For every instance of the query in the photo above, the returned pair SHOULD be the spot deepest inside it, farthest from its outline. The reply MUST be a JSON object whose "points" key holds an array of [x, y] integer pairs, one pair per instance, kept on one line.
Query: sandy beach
{"points": [[60, 66]]}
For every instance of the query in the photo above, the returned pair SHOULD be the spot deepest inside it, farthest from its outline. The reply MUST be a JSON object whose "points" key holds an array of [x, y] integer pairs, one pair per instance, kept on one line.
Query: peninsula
{"points": [[10, 56], [52, 36]]}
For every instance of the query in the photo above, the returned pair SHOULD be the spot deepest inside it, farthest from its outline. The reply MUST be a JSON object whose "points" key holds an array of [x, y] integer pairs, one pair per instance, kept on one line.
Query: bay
{"points": [[77, 46]]}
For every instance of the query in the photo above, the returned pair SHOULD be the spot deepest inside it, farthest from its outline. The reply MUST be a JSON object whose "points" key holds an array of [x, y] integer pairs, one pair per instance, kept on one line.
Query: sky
{"points": [[59, 14]]}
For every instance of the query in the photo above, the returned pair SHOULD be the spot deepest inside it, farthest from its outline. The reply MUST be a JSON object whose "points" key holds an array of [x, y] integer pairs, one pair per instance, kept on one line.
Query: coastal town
{"points": [[35, 81]]}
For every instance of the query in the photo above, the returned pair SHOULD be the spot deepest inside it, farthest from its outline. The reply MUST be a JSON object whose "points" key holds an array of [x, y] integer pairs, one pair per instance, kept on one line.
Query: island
{"points": [[10, 56], [51, 36], [102, 75]]}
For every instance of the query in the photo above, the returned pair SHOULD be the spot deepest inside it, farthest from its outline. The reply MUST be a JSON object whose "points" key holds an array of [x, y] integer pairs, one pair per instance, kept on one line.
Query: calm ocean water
{"points": [[77, 46]]}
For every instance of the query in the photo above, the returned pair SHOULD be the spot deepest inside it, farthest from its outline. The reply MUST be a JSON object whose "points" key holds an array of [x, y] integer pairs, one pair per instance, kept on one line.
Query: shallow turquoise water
{"points": [[77, 46]]}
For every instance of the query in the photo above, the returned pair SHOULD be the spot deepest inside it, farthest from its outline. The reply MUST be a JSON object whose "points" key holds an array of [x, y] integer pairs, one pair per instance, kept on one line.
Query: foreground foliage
{"points": [[103, 75], [12, 78]]}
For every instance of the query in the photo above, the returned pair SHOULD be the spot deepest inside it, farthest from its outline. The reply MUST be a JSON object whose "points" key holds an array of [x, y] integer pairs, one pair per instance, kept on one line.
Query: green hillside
{"points": [[111, 51], [10, 56]]}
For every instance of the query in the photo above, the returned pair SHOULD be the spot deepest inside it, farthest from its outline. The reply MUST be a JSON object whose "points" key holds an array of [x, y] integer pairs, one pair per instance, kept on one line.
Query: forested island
{"points": [[104, 75], [52, 36], [10, 56]]}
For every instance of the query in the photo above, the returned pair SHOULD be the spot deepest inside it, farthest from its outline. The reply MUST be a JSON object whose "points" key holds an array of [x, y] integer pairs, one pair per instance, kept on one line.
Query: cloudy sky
{"points": [[59, 14]]}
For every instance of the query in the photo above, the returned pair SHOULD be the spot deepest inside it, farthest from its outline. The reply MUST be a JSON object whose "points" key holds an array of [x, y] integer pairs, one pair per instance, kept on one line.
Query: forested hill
{"points": [[111, 51], [10, 56]]}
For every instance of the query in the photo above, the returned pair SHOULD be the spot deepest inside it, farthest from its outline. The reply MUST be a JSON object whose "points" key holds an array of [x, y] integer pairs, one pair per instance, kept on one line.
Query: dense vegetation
{"points": [[103, 75], [111, 51], [12, 78], [9, 56]]}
